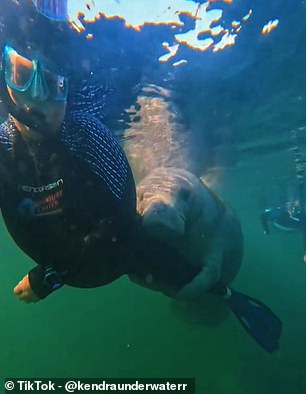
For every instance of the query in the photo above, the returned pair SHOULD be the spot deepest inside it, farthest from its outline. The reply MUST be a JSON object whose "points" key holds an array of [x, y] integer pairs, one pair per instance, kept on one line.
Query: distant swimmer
{"points": [[285, 211], [67, 194], [192, 244], [287, 217]]}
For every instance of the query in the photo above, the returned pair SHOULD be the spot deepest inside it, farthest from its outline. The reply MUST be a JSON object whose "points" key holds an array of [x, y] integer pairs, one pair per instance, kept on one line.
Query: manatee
{"points": [[190, 238]]}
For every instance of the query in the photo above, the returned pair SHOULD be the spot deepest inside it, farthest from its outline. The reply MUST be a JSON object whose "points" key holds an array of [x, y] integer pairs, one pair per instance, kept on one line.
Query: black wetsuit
{"points": [[69, 202]]}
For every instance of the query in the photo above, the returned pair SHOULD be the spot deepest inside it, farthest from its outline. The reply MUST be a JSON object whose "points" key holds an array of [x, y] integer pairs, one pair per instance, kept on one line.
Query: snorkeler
{"points": [[67, 191], [288, 217], [68, 200], [288, 214]]}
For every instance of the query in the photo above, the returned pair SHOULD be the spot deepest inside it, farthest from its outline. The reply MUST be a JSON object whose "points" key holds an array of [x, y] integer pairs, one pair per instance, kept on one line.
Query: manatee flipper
{"points": [[256, 318], [208, 276]]}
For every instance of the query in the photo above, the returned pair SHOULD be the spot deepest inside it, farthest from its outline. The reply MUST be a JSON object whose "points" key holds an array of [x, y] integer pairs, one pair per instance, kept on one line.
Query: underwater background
{"points": [[232, 113]]}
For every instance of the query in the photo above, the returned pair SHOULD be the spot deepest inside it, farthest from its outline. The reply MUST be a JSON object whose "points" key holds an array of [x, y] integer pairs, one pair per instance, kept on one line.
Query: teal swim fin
{"points": [[256, 318]]}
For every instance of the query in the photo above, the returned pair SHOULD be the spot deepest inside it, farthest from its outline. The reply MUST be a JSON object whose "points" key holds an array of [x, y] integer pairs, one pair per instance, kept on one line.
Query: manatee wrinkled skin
{"points": [[190, 238]]}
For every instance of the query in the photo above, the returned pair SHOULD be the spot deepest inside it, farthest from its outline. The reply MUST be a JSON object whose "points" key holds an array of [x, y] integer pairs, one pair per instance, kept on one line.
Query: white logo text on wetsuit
{"points": [[41, 189], [45, 199]]}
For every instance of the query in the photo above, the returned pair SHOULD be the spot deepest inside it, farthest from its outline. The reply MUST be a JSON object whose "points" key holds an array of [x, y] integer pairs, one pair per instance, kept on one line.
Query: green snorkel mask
{"points": [[30, 77]]}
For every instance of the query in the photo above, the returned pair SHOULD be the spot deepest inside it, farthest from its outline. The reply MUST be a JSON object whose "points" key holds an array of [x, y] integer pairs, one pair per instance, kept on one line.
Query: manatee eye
{"points": [[184, 194]]}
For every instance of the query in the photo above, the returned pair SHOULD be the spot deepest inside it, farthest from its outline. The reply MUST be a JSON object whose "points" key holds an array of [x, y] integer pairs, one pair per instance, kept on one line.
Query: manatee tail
{"points": [[256, 318]]}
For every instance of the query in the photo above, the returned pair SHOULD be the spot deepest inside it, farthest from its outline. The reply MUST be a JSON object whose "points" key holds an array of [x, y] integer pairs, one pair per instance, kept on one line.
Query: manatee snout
{"points": [[162, 220]]}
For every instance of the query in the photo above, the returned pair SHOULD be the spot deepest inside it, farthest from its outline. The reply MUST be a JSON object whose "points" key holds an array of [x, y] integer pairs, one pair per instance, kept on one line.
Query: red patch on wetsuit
{"points": [[50, 204]]}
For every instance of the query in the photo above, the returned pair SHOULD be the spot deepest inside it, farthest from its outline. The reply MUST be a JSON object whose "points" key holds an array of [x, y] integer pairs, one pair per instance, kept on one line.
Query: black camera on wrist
{"points": [[52, 278]]}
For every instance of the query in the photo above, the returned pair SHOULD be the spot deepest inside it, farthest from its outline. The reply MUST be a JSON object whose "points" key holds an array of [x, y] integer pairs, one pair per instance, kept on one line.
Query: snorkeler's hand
{"points": [[24, 292]]}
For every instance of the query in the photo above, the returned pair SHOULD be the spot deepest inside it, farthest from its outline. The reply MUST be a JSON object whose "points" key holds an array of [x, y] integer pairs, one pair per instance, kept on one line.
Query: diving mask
{"points": [[30, 76]]}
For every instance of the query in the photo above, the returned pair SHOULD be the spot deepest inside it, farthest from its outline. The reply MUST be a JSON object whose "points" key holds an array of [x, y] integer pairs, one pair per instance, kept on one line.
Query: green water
{"points": [[122, 330]]}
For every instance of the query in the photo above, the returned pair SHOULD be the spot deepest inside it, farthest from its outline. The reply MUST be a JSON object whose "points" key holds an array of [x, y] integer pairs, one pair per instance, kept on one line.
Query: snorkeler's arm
{"points": [[36, 279], [38, 283], [89, 140], [209, 275]]}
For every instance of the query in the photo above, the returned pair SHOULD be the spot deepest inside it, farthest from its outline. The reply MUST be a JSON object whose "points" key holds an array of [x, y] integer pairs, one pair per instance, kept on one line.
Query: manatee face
{"points": [[162, 217], [163, 220], [165, 200]]}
